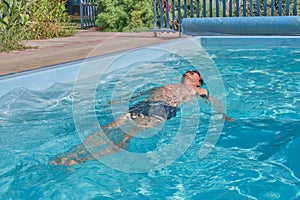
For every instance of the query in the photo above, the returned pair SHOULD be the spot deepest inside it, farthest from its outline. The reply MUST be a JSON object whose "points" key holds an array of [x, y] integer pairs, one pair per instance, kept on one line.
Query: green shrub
{"points": [[12, 24], [268, 6], [34, 19], [141, 16], [125, 15], [48, 19]]}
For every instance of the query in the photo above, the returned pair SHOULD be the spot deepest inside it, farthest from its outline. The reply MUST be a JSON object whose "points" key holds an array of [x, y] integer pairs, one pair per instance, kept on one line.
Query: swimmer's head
{"points": [[193, 76]]}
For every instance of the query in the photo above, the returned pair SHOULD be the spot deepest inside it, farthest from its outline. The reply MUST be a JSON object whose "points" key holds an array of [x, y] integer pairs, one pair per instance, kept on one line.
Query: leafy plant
{"points": [[262, 4], [48, 19], [124, 15], [34, 19], [141, 16], [12, 24]]}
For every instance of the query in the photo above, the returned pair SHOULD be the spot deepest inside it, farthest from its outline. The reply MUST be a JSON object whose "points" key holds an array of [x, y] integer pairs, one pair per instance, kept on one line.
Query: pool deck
{"points": [[84, 44]]}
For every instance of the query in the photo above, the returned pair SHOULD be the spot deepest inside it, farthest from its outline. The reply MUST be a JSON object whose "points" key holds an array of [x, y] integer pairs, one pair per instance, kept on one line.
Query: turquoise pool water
{"points": [[255, 157]]}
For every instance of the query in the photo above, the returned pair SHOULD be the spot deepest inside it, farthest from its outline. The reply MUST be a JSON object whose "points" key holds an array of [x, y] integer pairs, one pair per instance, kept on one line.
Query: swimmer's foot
{"points": [[125, 140]]}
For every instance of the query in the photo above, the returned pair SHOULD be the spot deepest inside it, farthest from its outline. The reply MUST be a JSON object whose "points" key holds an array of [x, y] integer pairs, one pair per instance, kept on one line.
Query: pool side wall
{"points": [[70, 72]]}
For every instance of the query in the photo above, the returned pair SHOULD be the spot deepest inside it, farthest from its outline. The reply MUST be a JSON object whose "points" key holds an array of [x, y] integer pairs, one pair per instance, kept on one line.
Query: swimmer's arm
{"points": [[219, 108], [203, 93]]}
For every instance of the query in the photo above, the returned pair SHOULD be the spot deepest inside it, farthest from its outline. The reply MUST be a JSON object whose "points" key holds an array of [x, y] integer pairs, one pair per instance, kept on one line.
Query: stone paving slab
{"points": [[84, 44]]}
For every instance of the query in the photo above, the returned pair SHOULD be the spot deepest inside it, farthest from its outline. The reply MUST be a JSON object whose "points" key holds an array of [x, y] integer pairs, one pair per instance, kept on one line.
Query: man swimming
{"points": [[160, 106]]}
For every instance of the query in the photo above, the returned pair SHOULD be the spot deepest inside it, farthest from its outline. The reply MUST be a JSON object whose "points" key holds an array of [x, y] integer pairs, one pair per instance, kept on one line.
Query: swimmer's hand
{"points": [[228, 119]]}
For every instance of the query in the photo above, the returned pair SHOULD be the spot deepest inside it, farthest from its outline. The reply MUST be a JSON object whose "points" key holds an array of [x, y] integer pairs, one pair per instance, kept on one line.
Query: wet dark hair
{"points": [[197, 72]]}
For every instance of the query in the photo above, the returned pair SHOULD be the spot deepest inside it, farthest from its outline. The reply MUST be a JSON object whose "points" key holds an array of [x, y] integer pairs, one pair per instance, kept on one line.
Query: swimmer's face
{"points": [[194, 76]]}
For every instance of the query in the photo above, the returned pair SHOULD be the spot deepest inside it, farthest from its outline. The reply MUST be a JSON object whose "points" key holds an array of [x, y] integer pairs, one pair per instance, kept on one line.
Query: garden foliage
{"points": [[13, 20], [125, 15], [133, 15], [48, 19], [34, 19]]}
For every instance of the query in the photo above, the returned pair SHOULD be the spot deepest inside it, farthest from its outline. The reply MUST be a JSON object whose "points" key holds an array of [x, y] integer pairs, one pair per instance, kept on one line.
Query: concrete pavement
{"points": [[83, 44]]}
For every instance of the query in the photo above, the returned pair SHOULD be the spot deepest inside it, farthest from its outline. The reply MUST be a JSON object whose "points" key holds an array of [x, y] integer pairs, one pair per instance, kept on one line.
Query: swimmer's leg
{"points": [[97, 145], [96, 140], [118, 122], [91, 148], [77, 155], [80, 153], [141, 123]]}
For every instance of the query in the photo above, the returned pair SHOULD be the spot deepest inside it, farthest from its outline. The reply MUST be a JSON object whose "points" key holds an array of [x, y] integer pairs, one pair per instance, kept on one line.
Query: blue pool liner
{"points": [[283, 25]]}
